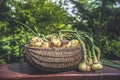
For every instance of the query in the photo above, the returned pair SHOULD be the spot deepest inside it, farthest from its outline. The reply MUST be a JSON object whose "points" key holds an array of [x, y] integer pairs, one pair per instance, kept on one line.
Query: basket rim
{"points": [[52, 48]]}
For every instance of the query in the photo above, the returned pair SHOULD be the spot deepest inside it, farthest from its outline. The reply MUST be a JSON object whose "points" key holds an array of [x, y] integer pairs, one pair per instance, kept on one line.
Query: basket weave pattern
{"points": [[53, 59]]}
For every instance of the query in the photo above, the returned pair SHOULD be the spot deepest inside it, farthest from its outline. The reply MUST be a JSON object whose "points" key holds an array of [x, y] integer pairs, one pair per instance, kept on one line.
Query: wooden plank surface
{"points": [[25, 72]]}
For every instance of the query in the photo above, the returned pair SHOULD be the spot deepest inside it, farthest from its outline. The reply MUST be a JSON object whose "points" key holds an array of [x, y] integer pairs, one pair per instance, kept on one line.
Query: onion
{"points": [[45, 45], [36, 39], [65, 41], [97, 66], [74, 42], [55, 41], [84, 67], [67, 45], [37, 44]]}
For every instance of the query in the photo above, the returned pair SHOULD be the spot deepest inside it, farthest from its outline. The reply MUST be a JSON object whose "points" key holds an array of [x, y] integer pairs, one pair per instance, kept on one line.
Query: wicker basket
{"points": [[53, 59]]}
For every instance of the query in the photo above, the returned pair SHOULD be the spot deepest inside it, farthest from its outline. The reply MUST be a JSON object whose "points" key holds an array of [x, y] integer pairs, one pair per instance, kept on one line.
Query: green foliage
{"points": [[101, 18], [42, 16], [12, 45], [111, 48]]}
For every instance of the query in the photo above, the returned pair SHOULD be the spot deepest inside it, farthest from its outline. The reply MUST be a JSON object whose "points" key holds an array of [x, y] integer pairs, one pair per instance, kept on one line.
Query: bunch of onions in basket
{"points": [[54, 53], [53, 42], [91, 60]]}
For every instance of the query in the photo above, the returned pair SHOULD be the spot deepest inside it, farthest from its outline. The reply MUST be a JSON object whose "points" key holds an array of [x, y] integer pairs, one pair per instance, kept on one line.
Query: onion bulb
{"points": [[45, 45], [84, 67], [36, 44], [66, 43], [74, 42], [97, 66], [36, 39], [56, 42]]}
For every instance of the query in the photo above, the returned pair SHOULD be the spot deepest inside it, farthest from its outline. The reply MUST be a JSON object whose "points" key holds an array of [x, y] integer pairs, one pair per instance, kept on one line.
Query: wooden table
{"points": [[18, 71]]}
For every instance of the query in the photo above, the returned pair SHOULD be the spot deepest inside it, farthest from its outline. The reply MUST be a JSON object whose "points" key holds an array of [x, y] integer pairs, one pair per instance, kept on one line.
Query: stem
{"points": [[37, 31], [27, 27], [98, 51], [44, 37], [68, 31], [94, 55], [110, 63], [60, 36], [90, 56], [89, 53], [93, 49], [84, 48]]}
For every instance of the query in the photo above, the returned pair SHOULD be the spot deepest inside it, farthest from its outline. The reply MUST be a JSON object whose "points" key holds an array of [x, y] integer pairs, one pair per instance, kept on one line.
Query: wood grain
{"points": [[25, 72]]}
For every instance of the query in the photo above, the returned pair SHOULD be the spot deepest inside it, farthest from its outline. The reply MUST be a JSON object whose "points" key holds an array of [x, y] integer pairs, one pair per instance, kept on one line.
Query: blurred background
{"points": [[101, 18]]}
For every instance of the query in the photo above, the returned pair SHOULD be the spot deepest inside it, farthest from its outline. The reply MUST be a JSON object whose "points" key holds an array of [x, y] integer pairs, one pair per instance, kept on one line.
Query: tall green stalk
{"points": [[84, 48], [89, 55], [95, 60], [98, 52], [36, 34]]}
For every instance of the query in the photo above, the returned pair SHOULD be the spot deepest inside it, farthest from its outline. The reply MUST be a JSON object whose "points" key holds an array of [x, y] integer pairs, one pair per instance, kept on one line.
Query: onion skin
{"points": [[35, 44], [74, 42], [90, 62], [65, 42], [45, 45], [55, 41], [84, 67], [66, 45], [97, 66], [36, 39]]}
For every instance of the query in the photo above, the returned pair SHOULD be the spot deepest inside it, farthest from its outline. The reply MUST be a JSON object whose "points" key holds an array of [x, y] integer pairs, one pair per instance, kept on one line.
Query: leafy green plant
{"points": [[101, 19], [42, 16], [11, 47]]}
